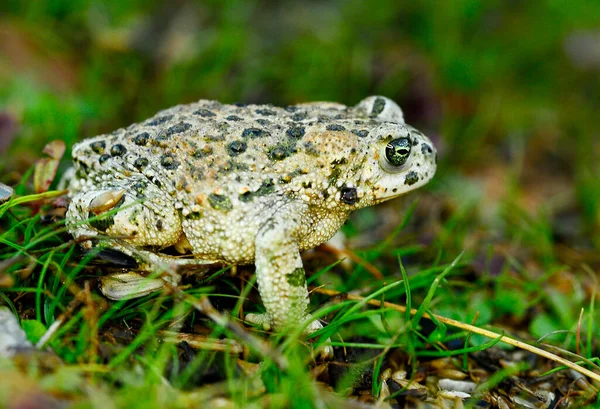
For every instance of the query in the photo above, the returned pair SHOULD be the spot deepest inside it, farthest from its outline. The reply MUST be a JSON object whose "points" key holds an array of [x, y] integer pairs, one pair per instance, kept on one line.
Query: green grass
{"points": [[497, 86]]}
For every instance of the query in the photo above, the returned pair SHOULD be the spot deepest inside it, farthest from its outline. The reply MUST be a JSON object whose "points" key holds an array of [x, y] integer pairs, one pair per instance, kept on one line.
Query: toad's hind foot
{"points": [[260, 320], [264, 321], [135, 211], [128, 285]]}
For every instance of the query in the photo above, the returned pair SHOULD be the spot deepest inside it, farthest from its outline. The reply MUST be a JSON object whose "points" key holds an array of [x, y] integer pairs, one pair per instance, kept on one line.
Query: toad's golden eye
{"points": [[397, 151]]}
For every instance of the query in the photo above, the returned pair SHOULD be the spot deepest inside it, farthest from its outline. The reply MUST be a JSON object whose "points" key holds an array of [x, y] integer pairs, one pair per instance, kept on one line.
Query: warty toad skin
{"points": [[240, 184]]}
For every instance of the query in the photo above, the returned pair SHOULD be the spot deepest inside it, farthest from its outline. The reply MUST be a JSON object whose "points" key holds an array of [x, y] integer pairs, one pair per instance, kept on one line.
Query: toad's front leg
{"points": [[279, 272]]}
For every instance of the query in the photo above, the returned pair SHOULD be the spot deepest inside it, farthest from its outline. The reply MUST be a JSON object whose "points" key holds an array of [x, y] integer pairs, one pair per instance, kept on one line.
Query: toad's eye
{"points": [[397, 151]]}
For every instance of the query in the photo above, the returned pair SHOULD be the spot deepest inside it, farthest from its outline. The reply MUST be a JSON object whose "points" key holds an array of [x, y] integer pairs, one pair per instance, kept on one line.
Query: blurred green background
{"points": [[509, 91]]}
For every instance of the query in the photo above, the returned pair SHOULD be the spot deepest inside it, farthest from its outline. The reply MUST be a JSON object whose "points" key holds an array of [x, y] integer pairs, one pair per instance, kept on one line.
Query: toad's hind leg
{"points": [[129, 218], [136, 212]]}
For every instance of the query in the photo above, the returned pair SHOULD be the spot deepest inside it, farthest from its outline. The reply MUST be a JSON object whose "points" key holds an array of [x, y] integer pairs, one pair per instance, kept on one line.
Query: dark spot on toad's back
{"points": [[267, 187], [139, 188], [168, 162], [298, 116], [425, 148], [236, 148], [219, 202], [161, 138], [311, 150], [159, 225], [264, 112], [234, 118], [160, 120], [203, 152], [193, 216], [196, 174], [103, 158], [179, 128], [349, 195], [278, 153], [141, 139], [254, 133], [295, 132], [361, 133], [335, 174], [140, 163], [335, 127], [378, 106], [411, 178], [214, 137], [230, 165], [205, 113], [246, 196], [282, 150], [263, 122], [98, 147], [118, 150]]}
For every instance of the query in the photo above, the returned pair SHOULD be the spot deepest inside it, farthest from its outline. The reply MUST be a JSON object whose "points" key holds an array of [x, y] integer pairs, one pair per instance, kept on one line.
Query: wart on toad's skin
{"points": [[141, 139], [98, 147]]}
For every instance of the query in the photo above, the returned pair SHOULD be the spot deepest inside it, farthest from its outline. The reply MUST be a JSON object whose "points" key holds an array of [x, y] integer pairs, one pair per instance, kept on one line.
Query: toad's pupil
{"points": [[397, 151]]}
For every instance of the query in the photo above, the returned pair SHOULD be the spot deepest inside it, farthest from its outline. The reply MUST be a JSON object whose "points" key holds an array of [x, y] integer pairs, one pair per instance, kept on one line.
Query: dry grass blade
{"points": [[341, 253], [204, 306], [476, 330], [202, 342]]}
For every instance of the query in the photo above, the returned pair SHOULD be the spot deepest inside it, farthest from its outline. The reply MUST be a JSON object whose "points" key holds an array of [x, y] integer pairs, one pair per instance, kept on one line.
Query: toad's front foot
{"points": [[264, 321], [261, 320]]}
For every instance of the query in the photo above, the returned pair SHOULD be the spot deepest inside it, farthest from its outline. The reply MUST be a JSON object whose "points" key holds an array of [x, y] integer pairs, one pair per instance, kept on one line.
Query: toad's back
{"points": [[208, 154]]}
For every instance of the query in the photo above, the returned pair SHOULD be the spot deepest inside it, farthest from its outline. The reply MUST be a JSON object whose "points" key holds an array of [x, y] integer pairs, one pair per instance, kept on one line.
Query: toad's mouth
{"points": [[387, 191]]}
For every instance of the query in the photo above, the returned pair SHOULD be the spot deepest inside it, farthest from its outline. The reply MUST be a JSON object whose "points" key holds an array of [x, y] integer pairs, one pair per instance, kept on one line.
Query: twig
{"points": [[374, 271], [203, 342], [205, 307], [484, 332]]}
